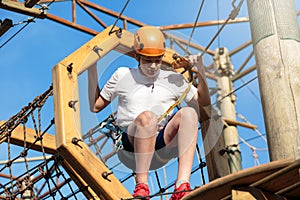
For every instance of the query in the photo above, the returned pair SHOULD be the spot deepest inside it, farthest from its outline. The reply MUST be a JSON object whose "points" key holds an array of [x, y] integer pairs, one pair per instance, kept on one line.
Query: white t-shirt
{"points": [[137, 93]]}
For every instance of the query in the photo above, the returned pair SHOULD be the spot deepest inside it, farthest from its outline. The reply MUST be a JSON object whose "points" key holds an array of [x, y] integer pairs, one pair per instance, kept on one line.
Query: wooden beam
{"points": [[193, 45], [111, 13], [237, 123], [234, 51], [67, 120], [243, 73], [17, 138], [71, 24], [293, 189], [90, 168], [92, 15], [202, 24], [20, 8], [244, 63]]}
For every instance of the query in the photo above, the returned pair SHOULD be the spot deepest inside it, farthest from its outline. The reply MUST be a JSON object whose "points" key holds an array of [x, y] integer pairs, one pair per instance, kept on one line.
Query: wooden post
{"points": [[276, 37], [226, 104]]}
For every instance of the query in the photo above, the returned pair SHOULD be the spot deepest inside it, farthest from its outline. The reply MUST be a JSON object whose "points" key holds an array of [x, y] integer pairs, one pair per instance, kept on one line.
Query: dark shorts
{"points": [[160, 158], [160, 142]]}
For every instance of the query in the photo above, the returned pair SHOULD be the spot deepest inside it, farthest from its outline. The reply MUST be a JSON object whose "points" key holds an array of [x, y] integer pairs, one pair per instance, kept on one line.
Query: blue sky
{"points": [[27, 60]]}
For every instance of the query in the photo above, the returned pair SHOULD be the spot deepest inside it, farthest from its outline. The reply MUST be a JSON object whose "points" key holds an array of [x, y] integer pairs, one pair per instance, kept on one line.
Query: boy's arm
{"points": [[202, 97], [96, 101]]}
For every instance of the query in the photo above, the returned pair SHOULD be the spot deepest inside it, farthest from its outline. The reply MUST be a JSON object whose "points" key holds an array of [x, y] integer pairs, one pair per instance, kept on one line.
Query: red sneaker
{"points": [[141, 191], [181, 191]]}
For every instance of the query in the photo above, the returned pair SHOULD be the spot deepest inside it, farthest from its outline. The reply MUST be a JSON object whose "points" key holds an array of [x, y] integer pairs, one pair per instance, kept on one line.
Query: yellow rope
{"points": [[179, 100]]}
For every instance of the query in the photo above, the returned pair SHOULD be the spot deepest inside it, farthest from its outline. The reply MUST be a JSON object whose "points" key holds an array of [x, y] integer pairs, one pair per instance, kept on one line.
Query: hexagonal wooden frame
{"points": [[67, 109]]}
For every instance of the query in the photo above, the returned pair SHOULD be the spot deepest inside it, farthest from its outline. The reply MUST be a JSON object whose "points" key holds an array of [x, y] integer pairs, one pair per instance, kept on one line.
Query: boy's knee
{"points": [[189, 112]]}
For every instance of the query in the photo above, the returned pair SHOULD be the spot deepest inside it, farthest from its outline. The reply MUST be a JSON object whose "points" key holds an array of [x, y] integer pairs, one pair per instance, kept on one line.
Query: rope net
{"points": [[103, 138], [31, 169], [28, 169]]}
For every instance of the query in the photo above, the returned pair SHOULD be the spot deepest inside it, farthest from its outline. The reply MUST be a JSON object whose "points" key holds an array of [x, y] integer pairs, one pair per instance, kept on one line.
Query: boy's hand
{"points": [[196, 60], [181, 62], [188, 62]]}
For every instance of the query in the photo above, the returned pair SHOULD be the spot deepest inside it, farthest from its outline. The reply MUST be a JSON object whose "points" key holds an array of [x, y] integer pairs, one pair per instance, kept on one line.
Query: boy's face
{"points": [[150, 65]]}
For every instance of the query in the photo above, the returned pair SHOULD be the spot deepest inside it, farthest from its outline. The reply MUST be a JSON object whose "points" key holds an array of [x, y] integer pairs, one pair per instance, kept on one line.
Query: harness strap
{"points": [[179, 100]]}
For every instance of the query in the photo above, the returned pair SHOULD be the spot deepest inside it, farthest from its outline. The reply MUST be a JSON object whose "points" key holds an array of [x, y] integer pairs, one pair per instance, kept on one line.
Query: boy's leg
{"points": [[182, 131], [142, 135]]}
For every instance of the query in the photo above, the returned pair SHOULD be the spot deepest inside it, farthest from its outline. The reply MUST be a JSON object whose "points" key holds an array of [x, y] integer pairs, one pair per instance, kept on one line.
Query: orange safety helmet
{"points": [[149, 41]]}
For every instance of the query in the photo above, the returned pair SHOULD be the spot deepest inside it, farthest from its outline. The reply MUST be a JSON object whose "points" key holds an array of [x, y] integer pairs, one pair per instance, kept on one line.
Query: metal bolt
{"points": [[96, 48], [76, 141], [119, 33], [106, 174], [70, 68], [71, 104]]}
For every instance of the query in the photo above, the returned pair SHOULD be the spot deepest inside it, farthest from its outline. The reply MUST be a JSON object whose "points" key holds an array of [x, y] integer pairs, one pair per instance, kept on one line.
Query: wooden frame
{"points": [[67, 109]]}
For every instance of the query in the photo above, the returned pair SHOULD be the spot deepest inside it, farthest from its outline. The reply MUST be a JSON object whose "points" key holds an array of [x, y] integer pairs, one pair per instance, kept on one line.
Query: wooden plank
{"points": [[17, 138], [279, 183], [222, 187], [261, 194], [280, 179], [293, 193]]}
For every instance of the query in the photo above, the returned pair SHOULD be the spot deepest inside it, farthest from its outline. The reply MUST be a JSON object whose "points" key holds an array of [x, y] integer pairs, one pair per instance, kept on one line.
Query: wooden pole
{"points": [[276, 37], [226, 104]]}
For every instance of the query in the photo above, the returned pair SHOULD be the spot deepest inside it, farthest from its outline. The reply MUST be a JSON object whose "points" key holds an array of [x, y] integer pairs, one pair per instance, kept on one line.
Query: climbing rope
{"points": [[188, 68], [111, 30], [231, 16], [194, 27], [240, 87], [256, 130], [43, 177], [28, 21]]}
